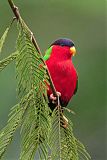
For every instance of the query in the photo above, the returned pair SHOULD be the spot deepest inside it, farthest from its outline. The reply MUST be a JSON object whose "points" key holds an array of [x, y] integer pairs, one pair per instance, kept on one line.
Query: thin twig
{"points": [[33, 40], [14, 18]]}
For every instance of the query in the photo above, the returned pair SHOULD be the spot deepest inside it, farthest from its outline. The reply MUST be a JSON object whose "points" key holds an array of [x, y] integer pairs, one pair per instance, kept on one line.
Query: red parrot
{"points": [[58, 58]]}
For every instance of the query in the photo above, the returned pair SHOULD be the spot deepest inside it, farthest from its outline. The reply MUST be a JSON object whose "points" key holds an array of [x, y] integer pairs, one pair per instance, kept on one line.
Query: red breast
{"points": [[62, 72]]}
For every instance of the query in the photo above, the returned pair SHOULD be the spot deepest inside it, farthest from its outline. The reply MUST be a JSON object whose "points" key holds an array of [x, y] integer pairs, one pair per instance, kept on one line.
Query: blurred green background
{"points": [[83, 21]]}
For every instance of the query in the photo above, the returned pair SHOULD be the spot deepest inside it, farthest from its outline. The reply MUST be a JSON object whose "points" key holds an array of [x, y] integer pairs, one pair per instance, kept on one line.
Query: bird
{"points": [[58, 58]]}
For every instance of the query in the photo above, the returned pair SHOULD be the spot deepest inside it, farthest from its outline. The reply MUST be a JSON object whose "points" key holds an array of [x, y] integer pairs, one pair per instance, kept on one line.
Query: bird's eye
{"points": [[62, 44]]}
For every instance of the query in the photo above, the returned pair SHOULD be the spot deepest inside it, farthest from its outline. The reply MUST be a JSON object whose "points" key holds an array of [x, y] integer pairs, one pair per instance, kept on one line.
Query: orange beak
{"points": [[73, 50]]}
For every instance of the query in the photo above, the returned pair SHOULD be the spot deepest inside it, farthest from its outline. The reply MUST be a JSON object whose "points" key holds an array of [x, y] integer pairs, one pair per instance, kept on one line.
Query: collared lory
{"points": [[58, 58]]}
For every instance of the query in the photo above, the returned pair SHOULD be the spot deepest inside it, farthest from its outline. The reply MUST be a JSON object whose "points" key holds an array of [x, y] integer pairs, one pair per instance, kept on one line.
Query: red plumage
{"points": [[62, 72]]}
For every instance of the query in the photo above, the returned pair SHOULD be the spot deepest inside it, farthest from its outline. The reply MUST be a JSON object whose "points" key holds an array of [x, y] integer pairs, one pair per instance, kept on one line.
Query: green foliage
{"points": [[63, 143], [15, 120], [41, 133], [31, 77], [3, 38], [34, 131], [7, 60]]}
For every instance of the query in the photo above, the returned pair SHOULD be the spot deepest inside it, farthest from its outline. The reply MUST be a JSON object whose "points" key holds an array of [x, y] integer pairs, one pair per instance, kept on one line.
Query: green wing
{"points": [[47, 53]]}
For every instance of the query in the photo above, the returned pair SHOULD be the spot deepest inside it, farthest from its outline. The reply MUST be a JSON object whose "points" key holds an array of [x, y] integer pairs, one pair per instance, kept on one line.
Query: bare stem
{"points": [[18, 17]]}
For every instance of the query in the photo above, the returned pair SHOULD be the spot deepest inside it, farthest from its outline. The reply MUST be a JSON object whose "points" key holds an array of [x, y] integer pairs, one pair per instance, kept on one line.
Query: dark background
{"points": [[83, 21]]}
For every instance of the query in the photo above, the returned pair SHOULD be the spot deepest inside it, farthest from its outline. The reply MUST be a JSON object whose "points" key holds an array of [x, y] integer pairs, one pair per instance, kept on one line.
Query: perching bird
{"points": [[58, 59]]}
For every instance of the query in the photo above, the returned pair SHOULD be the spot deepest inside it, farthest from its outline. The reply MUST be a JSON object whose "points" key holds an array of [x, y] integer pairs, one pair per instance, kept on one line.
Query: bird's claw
{"points": [[64, 119], [54, 98]]}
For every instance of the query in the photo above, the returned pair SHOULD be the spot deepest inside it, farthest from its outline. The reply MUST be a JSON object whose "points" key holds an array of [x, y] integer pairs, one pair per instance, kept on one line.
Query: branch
{"points": [[18, 17]]}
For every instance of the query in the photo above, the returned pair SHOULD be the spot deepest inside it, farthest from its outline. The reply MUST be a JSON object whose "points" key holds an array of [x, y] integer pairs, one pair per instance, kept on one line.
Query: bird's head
{"points": [[64, 42], [60, 46]]}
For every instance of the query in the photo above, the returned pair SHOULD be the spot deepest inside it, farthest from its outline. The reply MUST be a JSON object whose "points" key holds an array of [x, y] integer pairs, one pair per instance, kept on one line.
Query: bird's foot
{"points": [[64, 119], [54, 98], [65, 122]]}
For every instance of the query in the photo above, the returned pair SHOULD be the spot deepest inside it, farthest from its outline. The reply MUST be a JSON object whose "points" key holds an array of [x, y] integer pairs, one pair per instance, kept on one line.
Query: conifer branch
{"points": [[33, 40]]}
